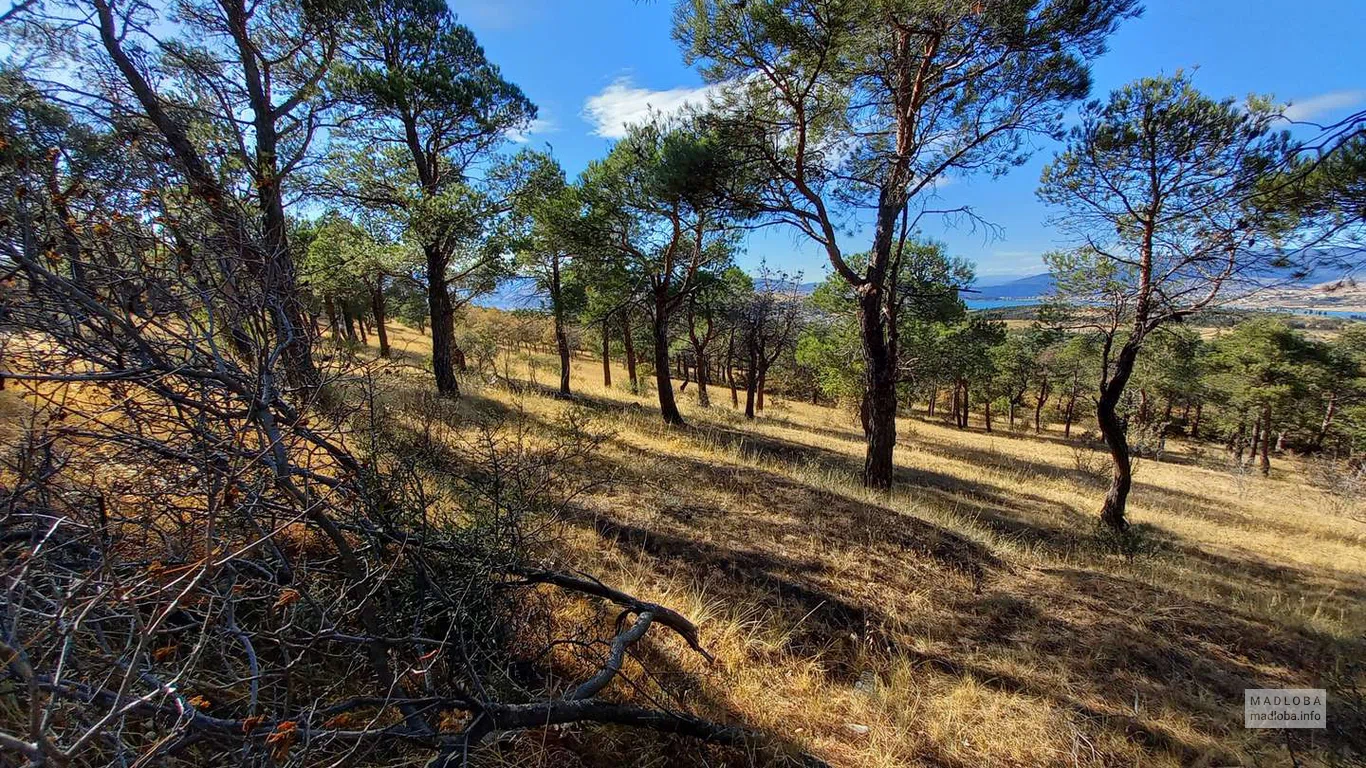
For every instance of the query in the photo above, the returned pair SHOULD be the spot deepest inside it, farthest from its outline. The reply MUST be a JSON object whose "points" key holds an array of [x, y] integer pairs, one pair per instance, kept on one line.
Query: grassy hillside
{"points": [[971, 617]]}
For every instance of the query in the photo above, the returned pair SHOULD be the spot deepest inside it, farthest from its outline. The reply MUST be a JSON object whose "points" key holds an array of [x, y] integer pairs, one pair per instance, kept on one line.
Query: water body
{"points": [[1343, 313]]}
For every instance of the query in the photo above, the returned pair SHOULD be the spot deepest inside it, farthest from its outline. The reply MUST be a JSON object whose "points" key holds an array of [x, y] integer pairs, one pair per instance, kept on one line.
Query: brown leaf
{"points": [[288, 596], [281, 739]]}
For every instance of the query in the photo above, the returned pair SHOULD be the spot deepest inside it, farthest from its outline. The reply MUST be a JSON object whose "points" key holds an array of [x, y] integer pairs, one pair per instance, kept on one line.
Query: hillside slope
{"points": [[969, 618]]}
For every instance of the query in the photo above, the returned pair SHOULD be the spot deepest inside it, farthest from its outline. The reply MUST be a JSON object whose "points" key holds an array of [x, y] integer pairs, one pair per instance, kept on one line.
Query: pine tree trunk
{"points": [[377, 307], [330, 305], [606, 355], [986, 410], [751, 385], [442, 322], [1327, 423], [703, 398], [349, 324], [1195, 425], [730, 368], [1068, 414], [557, 310], [668, 407], [630, 350], [1266, 441], [879, 392], [1112, 513], [1038, 408]]}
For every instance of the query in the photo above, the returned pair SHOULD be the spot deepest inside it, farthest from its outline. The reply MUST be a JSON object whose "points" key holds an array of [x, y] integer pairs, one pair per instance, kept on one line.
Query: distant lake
{"points": [[1344, 313], [999, 303]]}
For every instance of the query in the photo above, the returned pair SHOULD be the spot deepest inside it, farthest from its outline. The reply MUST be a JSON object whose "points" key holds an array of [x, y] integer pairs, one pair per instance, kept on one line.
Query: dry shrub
{"points": [[1343, 484], [207, 564]]}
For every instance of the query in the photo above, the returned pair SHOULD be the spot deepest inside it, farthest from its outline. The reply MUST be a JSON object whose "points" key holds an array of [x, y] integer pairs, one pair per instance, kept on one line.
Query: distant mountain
{"points": [[1312, 268], [521, 293], [1031, 287], [513, 293], [1327, 265]]}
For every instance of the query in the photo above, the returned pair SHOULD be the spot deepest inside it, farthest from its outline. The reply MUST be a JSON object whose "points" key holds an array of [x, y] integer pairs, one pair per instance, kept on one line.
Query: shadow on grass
{"points": [[842, 575]]}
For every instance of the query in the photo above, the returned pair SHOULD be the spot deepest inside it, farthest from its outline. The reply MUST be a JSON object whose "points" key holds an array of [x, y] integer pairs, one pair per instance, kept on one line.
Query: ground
{"points": [[971, 617]]}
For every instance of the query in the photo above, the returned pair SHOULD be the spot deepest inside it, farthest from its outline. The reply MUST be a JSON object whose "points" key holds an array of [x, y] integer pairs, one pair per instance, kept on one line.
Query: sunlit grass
{"points": [[970, 617]]}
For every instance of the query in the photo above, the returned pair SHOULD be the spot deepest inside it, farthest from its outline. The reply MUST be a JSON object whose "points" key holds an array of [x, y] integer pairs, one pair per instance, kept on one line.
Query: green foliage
{"points": [[652, 218], [928, 302], [1158, 183]]}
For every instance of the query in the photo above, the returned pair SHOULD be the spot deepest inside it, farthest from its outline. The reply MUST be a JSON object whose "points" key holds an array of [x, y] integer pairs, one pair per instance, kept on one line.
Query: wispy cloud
{"points": [[539, 127], [624, 103], [1324, 104]]}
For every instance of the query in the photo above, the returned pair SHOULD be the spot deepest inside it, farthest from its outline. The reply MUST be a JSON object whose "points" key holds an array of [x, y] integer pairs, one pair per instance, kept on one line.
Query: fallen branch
{"points": [[666, 616]]}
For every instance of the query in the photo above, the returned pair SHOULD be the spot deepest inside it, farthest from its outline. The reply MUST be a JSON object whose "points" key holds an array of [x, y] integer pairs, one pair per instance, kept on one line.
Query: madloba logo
{"points": [[1285, 708]]}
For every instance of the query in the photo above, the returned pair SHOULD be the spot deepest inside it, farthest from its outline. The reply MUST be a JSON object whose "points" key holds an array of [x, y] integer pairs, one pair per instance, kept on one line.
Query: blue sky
{"points": [[592, 63]]}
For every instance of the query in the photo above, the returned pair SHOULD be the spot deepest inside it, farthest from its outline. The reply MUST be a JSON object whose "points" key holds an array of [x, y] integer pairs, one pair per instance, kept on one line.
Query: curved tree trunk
{"points": [[668, 407], [1113, 430]]}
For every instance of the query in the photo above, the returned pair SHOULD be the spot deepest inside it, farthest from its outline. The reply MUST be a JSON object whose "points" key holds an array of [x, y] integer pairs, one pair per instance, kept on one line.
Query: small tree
{"points": [[653, 212], [767, 321], [713, 312], [853, 105], [545, 214], [425, 104], [1266, 370], [1157, 184]]}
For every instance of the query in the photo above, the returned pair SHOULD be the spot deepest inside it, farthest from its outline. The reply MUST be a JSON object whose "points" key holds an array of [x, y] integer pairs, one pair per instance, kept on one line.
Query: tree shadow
{"points": [[838, 575], [1105, 641]]}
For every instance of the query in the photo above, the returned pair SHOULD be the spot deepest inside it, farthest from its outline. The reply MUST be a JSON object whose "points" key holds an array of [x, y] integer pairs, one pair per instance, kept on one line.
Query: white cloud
{"points": [[623, 103], [539, 127], [1324, 104]]}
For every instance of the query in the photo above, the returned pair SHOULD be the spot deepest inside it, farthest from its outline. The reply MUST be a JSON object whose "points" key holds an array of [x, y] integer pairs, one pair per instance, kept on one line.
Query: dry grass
{"points": [[971, 617]]}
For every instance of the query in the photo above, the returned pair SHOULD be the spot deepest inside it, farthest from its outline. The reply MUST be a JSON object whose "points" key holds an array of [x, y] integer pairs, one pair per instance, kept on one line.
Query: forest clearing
{"points": [[745, 383], [973, 617]]}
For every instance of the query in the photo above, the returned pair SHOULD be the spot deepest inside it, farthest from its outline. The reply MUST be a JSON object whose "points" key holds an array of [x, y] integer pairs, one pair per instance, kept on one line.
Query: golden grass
{"points": [[968, 618]]}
